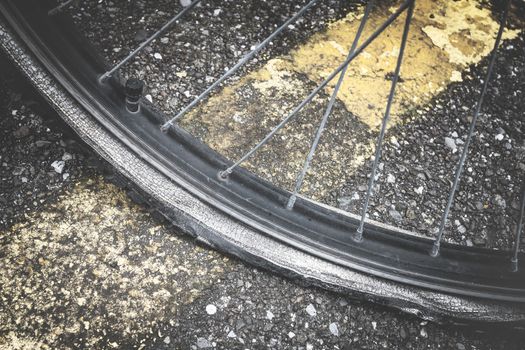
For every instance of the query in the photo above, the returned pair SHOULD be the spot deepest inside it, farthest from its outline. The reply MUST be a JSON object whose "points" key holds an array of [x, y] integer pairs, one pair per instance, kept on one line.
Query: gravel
{"points": [[39, 156], [424, 150]]}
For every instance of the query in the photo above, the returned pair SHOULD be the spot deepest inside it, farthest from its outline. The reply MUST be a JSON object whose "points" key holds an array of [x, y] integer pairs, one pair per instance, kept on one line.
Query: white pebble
{"points": [[450, 143], [211, 309], [291, 335], [390, 179], [232, 335], [269, 315], [334, 329], [58, 166], [423, 333], [499, 137], [310, 309], [67, 157], [217, 12], [157, 56]]}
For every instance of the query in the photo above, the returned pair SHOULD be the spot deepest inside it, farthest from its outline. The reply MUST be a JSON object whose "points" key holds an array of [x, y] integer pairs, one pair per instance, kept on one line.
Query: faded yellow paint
{"points": [[445, 38], [79, 258]]}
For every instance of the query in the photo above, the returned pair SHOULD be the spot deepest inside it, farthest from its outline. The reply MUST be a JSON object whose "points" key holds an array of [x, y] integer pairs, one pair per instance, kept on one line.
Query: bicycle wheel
{"points": [[228, 207]]}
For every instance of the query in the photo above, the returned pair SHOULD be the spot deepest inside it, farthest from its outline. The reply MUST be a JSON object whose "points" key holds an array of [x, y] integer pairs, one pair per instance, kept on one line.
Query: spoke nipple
{"points": [[223, 175], [358, 235], [165, 127], [434, 252], [134, 89], [291, 202], [514, 265], [103, 78]]}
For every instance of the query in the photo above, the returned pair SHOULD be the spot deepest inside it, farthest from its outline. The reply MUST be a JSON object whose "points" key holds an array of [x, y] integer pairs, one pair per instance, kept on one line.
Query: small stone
{"points": [[21, 132], [310, 309], [454, 135], [66, 156], [18, 171], [164, 40], [309, 346], [203, 343], [149, 98], [479, 241], [58, 166], [42, 143], [410, 214], [450, 143], [395, 215], [217, 12], [334, 329], [500, 201], [460, 346], [403, 333], [157, 56], [419, 190], [232, 334], [167, 340], [374, 325], [291, 335], [423, 333], [499, 137], [211, 309], [269, 315], [390, 178], [462, 229], [185, 3]]}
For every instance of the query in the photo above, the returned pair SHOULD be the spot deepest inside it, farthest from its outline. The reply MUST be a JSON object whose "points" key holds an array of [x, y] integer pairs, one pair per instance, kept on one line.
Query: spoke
{"points": [[437, 242], [325, 82], [238, 65], [328, 111], [59, 8], [359, 234], [519, 232], [141, 47]]}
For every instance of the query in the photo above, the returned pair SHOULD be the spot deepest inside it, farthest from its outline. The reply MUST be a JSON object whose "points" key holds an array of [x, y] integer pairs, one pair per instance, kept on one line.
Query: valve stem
{"points": [[134, 89]]}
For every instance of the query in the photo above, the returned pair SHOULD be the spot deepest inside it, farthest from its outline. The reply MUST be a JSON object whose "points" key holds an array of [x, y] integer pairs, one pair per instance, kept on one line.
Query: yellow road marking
{"points": [[445, 38]]}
